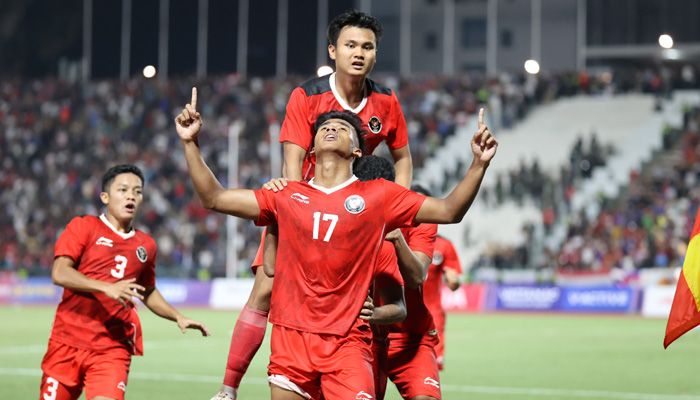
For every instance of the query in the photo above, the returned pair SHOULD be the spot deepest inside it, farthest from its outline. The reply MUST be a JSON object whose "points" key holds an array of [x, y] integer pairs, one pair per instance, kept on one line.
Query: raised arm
{"points": [[238, 202], [293, 161], [452, 208]]}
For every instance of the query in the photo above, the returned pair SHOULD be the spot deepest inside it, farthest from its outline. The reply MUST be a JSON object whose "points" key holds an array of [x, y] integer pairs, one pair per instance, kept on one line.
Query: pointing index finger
{"points": [[481, 117], [193, 102]]}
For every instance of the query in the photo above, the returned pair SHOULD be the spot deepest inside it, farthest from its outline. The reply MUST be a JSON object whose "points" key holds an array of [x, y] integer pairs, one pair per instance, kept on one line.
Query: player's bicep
{"points": [[403, 163], [237, 202], [433, 210], [293, 160]]}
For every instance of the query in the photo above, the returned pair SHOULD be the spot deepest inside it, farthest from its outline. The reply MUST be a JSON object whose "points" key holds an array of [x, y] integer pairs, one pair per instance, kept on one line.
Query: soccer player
{"points": [[445, 265], [353, 38], [330, 229], [404, 352], [103, 263]]}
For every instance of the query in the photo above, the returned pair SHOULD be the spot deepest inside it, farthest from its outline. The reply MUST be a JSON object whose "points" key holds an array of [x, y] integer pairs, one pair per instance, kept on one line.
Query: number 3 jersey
{"points": [[329, 239], [91, 320]]}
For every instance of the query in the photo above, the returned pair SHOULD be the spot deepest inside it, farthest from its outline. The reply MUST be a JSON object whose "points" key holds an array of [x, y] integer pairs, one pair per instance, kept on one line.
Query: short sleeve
{"points": [[268, 207], [400, 205], [399, 137], [148, 274], [422, 238], [296, 127], [450, 258], [73, 240]]}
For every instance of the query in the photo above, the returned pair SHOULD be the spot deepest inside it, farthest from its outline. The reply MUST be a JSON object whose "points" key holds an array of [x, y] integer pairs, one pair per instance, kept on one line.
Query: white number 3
{"points": [[51, 387], [317, 222], [118, 270]]}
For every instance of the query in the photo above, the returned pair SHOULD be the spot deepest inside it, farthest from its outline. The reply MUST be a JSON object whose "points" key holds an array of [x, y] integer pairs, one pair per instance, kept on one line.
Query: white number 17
{"points": [[317, 222]]}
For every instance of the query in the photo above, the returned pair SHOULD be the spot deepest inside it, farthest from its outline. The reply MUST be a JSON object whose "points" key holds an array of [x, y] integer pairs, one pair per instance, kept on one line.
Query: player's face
{"points": [[355, 51], [336, 135], [124, 196]]}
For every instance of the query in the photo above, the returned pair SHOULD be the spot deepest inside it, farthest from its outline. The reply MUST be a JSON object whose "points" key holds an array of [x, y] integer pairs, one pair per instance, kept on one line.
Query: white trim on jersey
{"points": [[334, 188], [343, 103], [123, 235]]}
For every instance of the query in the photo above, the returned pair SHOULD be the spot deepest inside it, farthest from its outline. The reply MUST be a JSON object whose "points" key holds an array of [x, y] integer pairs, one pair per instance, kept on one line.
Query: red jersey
{"points": [[329, 239], [444, 257], [386, 273], [91, 320], [419, 321], [379, 111]]}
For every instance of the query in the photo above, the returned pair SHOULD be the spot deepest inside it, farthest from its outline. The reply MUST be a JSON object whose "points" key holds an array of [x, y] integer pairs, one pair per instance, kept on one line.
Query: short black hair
{"points": [[371, 167], [419, 188], [112, 173], [353, 18], [347, 116]]}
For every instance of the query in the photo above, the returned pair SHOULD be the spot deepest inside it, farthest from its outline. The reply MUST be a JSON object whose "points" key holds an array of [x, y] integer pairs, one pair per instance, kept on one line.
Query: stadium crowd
{"points": [[55, 138]]}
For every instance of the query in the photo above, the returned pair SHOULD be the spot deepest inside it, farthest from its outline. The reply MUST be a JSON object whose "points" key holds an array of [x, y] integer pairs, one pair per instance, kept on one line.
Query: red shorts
{"points": [[67, 370], [412, 366], [314, 365]]}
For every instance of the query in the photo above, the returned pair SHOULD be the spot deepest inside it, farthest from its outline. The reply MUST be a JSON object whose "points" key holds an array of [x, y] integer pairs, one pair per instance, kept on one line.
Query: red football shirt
{"points": [[379, 111], [93, 321], [329, 239], [419, 321], [444, 257], [386, 273]]}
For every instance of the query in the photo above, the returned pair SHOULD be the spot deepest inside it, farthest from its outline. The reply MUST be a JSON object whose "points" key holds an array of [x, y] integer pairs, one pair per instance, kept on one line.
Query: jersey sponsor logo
{"points": [[374, 124], [141, 254], [362, 395], [438, 258], [103, 241], [354, 204], [121, 386], [300, 198], [432, 382]]}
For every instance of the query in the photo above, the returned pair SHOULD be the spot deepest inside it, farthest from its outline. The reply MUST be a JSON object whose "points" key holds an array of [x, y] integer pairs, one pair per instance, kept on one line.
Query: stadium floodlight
{"points": [[532, 67], [666, 41], [324, 70], [149, 71]]}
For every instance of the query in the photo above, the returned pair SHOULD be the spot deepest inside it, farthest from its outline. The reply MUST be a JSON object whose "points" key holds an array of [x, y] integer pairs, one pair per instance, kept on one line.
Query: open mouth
{"points": [[130, 207], [358, 65], [330, 136]]}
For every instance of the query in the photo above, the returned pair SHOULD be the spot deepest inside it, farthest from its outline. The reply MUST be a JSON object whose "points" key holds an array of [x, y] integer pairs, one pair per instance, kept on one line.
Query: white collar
{"points": [[123, 235], [341, 101], [334, 188]]}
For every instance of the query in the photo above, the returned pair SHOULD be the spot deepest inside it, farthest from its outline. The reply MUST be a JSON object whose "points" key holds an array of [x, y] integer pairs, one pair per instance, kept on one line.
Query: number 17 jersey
{"points": [[329, 239]]}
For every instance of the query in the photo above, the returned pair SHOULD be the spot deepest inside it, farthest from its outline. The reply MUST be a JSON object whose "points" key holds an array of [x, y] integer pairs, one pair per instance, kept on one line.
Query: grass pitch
{"points": [[489, 357]]}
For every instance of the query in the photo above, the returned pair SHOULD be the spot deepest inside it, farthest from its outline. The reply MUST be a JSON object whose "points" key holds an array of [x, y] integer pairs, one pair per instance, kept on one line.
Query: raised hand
{"points": [[275, 184], [484, 145], [124, 291], [189, 121]]}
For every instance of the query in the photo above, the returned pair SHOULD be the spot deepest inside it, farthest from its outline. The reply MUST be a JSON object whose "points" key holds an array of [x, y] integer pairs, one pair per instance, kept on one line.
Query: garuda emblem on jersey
{"points": [[437, 258], [375, 124], [354, 204], [141, 254]]}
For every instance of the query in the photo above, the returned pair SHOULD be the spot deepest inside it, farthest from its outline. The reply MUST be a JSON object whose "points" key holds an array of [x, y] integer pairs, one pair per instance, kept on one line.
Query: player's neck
{"points": [[332, 170], [350, 88], [119, 225]]}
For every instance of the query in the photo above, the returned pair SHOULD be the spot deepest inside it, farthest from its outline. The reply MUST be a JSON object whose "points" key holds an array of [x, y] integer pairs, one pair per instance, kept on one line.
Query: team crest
{"points": [[437, 258], [141, 254], [354, 204], [375, 124]]}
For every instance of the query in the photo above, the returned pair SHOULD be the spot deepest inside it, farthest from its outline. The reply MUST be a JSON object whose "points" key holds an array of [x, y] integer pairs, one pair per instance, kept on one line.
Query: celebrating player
{"points": [[445, 265], [329, 230], [352, 43], [103, 263]]}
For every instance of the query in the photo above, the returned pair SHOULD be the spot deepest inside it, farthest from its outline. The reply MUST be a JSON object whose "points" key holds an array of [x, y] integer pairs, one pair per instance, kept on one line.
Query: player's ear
{"points": [[356, 152], [331, 52], [104, 197]]}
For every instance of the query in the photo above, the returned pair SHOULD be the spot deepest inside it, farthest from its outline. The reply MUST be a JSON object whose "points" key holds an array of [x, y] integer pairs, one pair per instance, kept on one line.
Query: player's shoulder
{"points": [[84, 221], [145, 237], [378, 88], [315, 86]]}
